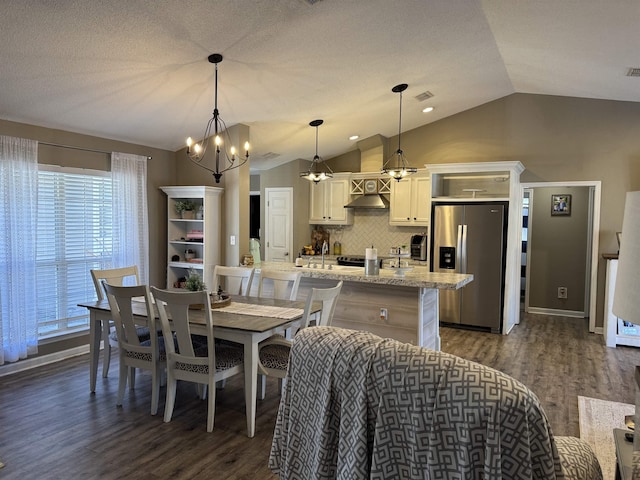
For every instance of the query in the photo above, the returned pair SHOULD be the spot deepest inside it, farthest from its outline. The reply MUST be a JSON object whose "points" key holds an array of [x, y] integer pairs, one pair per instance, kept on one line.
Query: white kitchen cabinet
{"points": [[200, 235], [410, 201], [327, 201]]}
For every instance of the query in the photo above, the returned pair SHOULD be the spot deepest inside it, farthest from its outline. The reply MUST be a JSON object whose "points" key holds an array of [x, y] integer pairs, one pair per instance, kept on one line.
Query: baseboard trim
{"points": [[555, 312], [28, 363]]}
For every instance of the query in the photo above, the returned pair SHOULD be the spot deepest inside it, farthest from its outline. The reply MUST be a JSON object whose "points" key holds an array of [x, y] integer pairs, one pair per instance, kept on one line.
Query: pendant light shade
{"points": [[224, 161], [318, 169], [397, 166]]}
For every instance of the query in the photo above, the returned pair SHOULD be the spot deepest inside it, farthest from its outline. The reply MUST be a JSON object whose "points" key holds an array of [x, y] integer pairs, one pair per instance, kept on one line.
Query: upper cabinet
{"points": [[327, 201], [411, 201], [482, 181]]}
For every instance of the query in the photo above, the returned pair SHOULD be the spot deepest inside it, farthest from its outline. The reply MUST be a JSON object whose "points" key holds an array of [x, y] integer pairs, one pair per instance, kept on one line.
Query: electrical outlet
{"points": [[562, 292], [383, 314], [232, 240]]}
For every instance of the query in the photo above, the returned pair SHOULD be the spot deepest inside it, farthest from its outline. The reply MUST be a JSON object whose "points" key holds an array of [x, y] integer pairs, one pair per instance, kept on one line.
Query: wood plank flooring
{"points": [[52, 427]]}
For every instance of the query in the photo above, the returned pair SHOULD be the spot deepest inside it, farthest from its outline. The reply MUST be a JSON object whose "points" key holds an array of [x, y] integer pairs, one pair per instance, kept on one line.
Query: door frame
{"points": [[592, 279], [267, 216]]}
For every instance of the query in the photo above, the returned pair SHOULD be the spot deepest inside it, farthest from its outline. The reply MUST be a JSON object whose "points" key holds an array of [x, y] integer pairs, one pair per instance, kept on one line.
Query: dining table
{"points": [[246, 320]]}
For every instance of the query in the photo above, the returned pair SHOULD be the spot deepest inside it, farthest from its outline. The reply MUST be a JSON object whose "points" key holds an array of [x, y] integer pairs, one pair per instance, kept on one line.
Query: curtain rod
{"points": [[149, 157]]}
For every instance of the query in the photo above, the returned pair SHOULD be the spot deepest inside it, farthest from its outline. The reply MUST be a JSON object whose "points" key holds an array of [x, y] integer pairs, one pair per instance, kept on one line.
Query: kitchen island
{"points": [[409, 301]]}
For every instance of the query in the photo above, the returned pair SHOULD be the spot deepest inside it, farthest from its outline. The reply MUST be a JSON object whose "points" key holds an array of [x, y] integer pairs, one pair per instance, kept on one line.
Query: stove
{"points": [[354, 260]]}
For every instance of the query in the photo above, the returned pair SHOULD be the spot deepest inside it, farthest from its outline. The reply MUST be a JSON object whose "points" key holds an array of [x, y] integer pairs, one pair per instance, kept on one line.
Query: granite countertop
{"points": [[417, 277]]}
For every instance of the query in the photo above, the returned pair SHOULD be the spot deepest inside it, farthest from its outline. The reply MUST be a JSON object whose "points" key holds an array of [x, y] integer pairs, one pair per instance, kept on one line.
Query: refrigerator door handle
{"points": [[463, 250], [459, 251]]}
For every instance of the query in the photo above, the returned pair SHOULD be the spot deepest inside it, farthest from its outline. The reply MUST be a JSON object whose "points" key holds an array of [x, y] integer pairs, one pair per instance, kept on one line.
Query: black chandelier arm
{"points": [[219, 132]]}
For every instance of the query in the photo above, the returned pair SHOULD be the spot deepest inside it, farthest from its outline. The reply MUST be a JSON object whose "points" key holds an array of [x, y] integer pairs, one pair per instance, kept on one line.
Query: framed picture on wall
{"points": [[561, 204]]}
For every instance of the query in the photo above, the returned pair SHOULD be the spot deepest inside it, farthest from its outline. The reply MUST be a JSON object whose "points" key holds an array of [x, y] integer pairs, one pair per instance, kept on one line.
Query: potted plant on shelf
{"points": [[194, 282], [185, 208]]}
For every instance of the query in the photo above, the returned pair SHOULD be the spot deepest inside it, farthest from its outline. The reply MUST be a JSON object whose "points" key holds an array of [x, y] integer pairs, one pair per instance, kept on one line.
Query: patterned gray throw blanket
{"points": [[357, 406]]}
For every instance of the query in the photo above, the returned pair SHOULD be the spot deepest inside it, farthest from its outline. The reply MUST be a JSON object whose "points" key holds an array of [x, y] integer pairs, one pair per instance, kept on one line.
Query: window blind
{"points": [[74, 235]]}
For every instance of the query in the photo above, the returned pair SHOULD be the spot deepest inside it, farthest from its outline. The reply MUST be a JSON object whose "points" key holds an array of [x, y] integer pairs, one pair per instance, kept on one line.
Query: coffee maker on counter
{"points": [[419, 247]]}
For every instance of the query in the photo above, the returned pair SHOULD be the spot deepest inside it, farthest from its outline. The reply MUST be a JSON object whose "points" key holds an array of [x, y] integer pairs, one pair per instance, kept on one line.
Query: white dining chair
{"points": [[202, 363], [114, 276], [279, 284], [133, 353], [236, 280], [273, 353]]}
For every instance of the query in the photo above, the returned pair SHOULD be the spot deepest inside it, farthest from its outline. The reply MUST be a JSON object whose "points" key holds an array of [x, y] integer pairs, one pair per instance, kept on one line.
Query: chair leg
{"points": [[156, 375], [107, 348], [211, 406], [170, 398], [262, 386], [132, 378], [122, 381]]}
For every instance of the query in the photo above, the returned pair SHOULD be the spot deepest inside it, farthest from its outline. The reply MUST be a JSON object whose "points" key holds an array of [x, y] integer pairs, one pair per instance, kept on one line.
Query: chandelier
{"points": [[196, 152], [398, 168], [315, 174]]}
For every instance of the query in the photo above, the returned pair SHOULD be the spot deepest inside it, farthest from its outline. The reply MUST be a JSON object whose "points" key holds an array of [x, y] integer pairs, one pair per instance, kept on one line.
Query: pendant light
{"points": [[396, 166], [196, 152], [315, 174]]}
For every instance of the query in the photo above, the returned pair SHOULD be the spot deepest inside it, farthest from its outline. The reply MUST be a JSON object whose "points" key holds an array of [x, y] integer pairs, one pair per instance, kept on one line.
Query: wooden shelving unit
{"points": [[200, 235]]}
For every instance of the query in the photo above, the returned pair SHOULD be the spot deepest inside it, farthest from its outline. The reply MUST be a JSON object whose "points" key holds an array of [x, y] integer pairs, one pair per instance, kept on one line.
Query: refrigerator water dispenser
{"points": [[447, 258]]}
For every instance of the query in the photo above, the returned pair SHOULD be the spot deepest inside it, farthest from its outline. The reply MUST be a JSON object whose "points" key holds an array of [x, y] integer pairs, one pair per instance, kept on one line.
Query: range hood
{"points": [[372, 152], [373, 200]]}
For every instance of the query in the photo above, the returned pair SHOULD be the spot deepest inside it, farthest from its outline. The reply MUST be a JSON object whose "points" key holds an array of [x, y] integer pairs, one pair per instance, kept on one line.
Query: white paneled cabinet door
{"points": [[421, 200], [278, 228], [327, 200], [400, 207], [317, 202], [338, 198], [411, 201]]}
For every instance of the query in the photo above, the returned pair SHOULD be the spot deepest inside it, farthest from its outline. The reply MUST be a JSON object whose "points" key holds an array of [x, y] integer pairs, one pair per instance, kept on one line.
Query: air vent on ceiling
{"points": [[270, 156], [634, 72], [424, 96]]}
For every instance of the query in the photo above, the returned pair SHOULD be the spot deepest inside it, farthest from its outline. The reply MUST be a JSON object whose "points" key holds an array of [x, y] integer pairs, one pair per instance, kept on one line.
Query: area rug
{"points": [[597, 419]]}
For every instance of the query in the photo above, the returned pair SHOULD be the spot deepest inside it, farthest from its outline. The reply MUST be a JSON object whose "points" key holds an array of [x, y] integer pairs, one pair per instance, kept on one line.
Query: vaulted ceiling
{"points": [[137, 70]]}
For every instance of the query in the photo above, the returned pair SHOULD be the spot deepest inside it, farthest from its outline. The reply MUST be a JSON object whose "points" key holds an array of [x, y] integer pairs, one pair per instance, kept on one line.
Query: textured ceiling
{"points": [[137, 71]]}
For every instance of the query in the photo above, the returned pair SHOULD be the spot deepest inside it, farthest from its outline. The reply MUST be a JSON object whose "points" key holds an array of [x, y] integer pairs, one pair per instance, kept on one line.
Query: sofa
{"points": [[357, 406]]}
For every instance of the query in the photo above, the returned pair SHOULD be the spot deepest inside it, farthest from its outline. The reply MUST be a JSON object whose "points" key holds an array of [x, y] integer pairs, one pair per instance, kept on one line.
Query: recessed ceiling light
{"points": [[354, 137], [427, 110]]}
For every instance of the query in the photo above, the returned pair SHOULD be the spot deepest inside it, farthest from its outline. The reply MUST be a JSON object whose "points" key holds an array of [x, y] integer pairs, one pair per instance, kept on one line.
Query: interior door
{"points": [[278, 227]]}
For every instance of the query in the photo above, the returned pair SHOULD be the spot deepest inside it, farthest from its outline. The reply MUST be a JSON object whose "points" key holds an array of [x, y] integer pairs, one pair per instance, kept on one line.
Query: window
{"points": [[74, 235]]}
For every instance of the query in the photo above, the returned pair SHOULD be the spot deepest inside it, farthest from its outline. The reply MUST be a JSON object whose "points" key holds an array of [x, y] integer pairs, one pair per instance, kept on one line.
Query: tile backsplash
{"points": [[371, 227]]}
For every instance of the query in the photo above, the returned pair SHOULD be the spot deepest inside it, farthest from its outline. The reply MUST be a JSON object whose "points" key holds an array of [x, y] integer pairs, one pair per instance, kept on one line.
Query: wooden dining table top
{"points": [[223, 319]]}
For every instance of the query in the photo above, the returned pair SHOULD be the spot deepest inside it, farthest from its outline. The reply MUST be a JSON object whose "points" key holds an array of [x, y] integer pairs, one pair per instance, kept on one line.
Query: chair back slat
{"points": [[174, 312], [329, 299], [121, 301], [113, 276], [284, 284], [234, 280]]}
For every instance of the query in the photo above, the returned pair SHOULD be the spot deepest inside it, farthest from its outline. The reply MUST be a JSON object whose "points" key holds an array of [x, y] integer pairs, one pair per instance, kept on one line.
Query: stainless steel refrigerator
{"points": [[471, 238]]}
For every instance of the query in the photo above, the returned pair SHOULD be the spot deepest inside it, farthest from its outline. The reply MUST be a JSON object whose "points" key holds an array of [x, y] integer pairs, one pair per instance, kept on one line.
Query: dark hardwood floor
{"points": [[52, 427]]}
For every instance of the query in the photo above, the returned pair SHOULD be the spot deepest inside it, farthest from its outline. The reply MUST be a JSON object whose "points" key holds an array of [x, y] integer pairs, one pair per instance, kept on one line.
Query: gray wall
{"points": [[558, 248]]}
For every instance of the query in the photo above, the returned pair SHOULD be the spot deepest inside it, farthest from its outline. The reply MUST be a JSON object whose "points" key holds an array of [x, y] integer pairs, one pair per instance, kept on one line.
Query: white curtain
{"points": [[130, 216], [18, 201]]}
